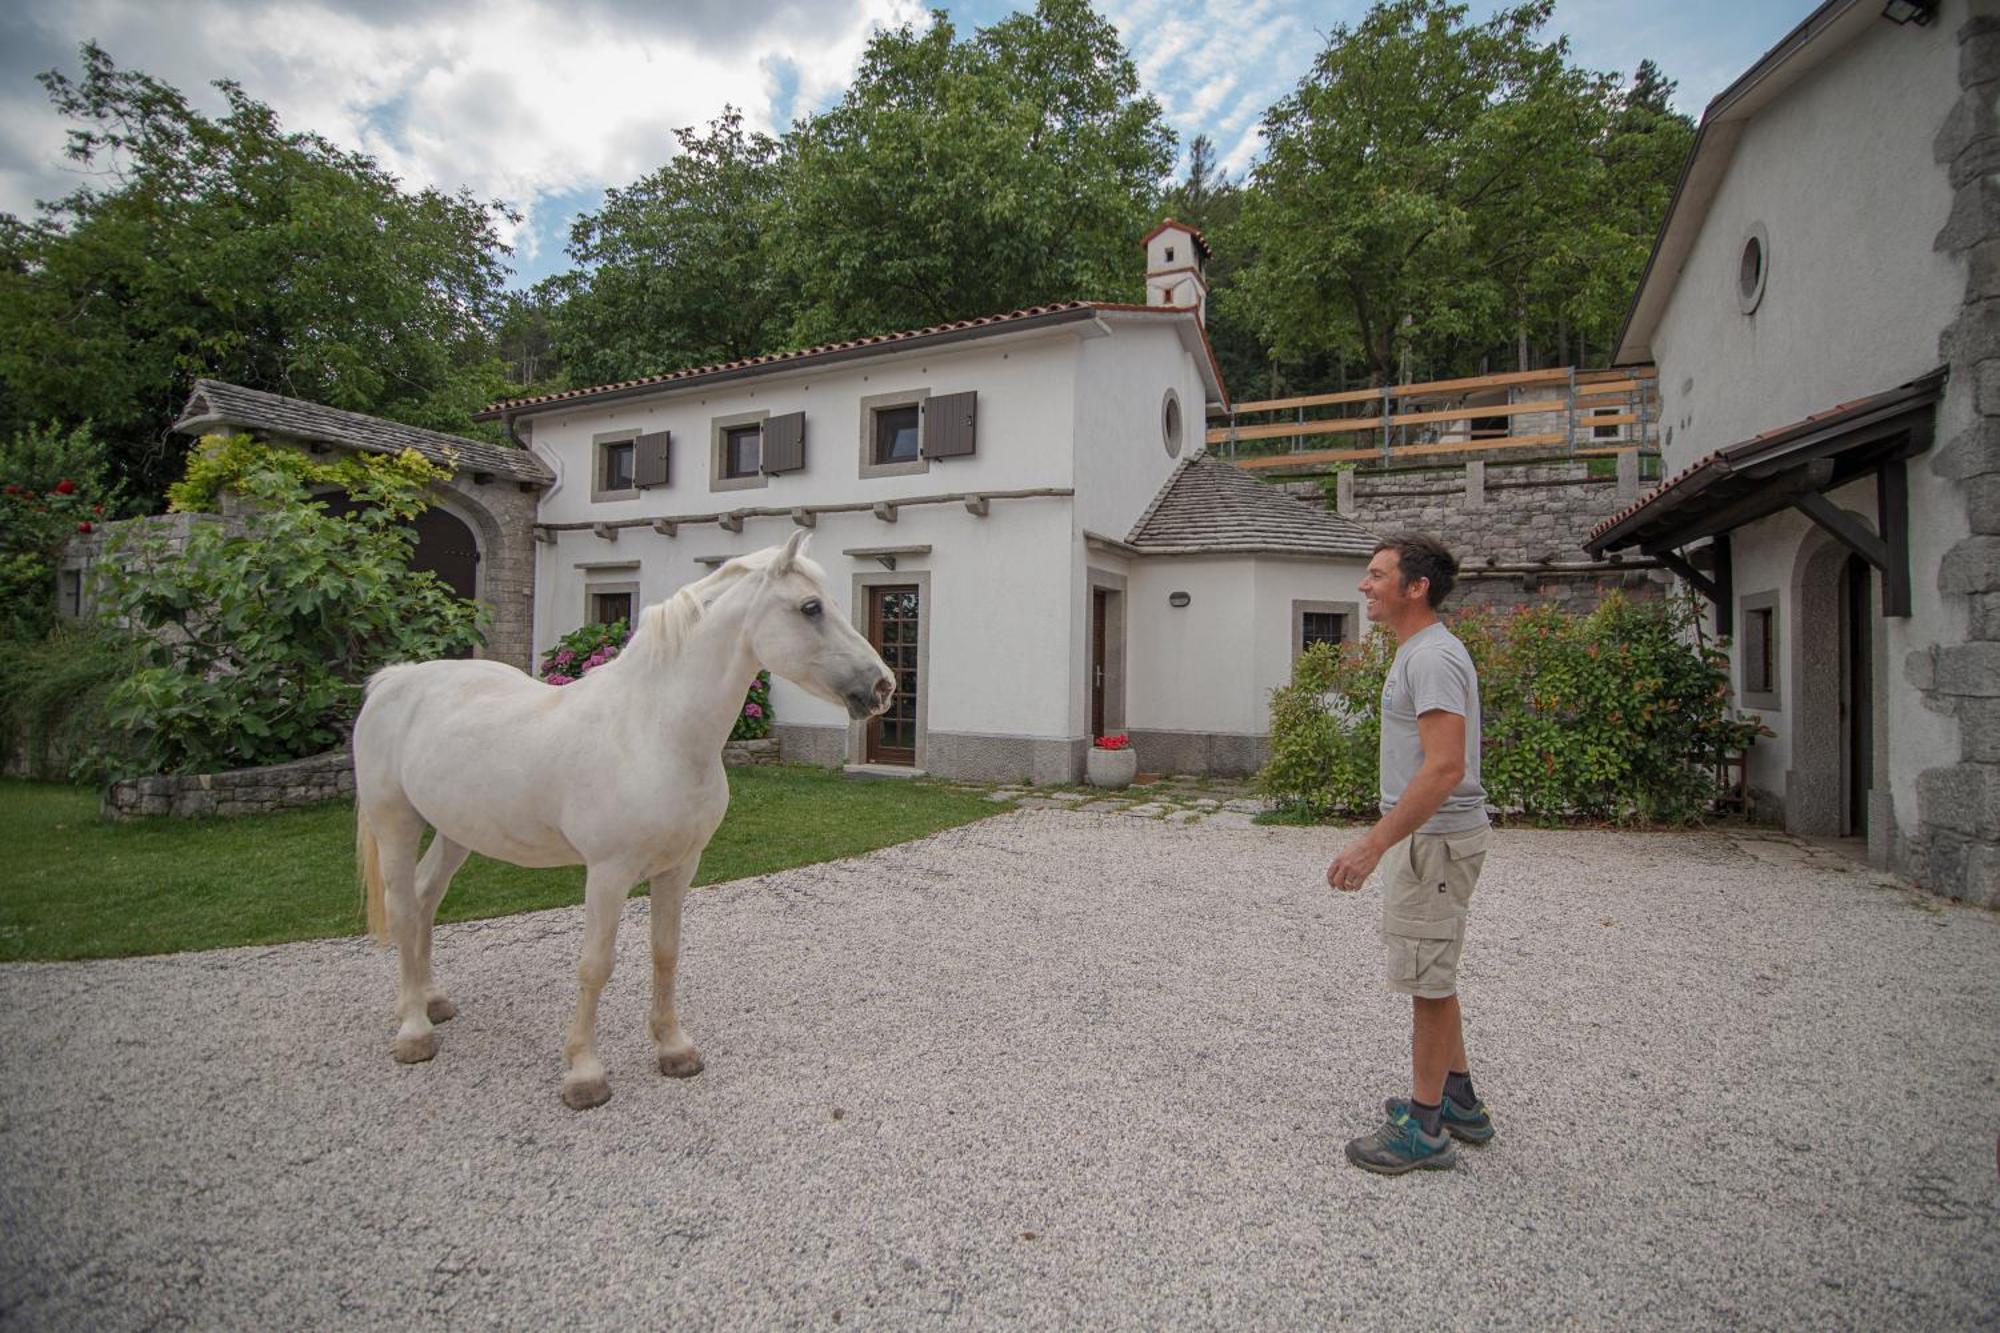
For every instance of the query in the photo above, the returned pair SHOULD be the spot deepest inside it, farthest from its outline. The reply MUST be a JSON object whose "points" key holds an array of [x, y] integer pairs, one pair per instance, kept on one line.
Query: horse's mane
{"points": [[664, 628]]}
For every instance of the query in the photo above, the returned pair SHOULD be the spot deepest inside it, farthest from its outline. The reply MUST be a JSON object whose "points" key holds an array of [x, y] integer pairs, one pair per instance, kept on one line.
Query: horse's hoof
{"points": [[440, 1010], [416, 1050], [586, 1093], [681, 1064]]}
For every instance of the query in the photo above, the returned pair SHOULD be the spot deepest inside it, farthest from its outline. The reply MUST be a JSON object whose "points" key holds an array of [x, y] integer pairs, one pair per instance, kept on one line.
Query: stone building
{"points": [[477, 536]]}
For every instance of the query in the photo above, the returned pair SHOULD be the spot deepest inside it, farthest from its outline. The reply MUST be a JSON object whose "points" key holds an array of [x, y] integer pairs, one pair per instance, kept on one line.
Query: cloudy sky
{"points": [[544, 104]]}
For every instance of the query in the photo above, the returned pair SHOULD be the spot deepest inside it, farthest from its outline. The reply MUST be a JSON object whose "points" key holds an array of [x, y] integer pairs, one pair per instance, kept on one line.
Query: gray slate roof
{"points": [[215, 403], [1210, 505]]}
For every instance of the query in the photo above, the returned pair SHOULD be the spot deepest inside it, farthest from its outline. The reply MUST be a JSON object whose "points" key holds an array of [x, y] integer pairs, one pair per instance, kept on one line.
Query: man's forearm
{"points": [[1427, 791]]}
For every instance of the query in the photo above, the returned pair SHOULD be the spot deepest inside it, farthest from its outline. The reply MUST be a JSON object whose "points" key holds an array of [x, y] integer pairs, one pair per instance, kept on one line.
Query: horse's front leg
{"points": [[584, 1084], [678, 1056]]}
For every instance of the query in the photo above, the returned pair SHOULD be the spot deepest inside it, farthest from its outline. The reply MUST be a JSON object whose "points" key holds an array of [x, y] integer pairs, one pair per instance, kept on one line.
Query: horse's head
{"points": [[797, 632]]}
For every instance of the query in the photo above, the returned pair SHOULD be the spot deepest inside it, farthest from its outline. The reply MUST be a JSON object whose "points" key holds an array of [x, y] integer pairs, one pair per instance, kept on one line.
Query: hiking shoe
{"points": [[1467, 1126], [1401, 1145]]}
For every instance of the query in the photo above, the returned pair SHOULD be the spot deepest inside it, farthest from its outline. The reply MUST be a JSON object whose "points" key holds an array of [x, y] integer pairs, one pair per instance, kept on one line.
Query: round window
{"points": [[1170, 423], [1753, 267]]}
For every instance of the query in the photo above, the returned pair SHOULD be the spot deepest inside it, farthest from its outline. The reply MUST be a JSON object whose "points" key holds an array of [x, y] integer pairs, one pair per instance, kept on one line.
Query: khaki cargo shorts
{"points": [[1427, 883]]}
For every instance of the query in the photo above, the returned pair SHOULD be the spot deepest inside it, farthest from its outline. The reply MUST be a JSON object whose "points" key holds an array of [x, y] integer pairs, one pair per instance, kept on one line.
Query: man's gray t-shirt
{"points": [[1432, 671]]}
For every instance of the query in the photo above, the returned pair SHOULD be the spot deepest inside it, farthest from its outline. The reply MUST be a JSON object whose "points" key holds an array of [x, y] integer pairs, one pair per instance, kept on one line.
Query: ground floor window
{"points": [[607, 603], [1323, 622]]}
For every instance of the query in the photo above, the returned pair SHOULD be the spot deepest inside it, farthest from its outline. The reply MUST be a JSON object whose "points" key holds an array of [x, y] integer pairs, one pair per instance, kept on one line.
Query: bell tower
{"points": [[1175, 257]]}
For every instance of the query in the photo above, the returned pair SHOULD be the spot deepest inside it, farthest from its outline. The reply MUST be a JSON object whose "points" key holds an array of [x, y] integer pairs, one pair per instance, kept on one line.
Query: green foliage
{"points": [[221, 463], [260, 639], [676, 269], [52, 488], [229, 247], [54, 695], [1326, 730], [1441, 189], [960, 177], [1618, 715], [584, 649]]}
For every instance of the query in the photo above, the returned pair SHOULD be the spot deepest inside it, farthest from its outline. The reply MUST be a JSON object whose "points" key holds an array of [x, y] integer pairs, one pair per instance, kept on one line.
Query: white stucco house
{"points": [[1820, 306], [1016, 509]]}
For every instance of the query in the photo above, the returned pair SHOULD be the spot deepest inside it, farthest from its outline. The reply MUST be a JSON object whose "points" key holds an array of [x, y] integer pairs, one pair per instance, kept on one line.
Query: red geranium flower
{"points": [[65, 487], [83, 526], [1119, 742]]}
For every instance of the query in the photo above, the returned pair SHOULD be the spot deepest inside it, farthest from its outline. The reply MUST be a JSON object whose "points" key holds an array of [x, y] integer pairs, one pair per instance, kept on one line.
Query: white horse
{"points": [[620, 771]]}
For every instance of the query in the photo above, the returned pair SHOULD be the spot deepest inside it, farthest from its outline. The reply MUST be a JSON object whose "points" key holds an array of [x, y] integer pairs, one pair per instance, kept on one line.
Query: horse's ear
{"points": [[795, 546]]}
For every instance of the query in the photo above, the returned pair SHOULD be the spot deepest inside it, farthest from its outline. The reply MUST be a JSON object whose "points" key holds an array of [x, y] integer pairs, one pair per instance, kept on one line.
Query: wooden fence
{"points": [[1584, 412]]}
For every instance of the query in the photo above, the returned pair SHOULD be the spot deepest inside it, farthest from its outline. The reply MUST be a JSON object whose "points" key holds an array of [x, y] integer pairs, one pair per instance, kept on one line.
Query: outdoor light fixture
{"points": [[1909, 11], [1178, 599]]}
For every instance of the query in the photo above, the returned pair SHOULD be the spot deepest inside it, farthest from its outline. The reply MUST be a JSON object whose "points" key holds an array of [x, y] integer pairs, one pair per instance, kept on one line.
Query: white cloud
{"points": [[524, 101]]}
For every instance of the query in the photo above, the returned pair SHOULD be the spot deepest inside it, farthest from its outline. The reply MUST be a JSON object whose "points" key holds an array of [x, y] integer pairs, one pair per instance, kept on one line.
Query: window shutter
{"points": [[948, 425], [785, 443], [651, 459]]}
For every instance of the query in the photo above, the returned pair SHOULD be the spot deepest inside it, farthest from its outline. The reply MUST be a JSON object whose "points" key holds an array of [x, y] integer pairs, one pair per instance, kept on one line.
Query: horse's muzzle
{"points": [[872, 698]]}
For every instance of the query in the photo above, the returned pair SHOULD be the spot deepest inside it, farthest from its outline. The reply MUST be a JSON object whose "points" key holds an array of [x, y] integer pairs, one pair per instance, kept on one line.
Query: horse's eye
{"points": [[810, 609]]}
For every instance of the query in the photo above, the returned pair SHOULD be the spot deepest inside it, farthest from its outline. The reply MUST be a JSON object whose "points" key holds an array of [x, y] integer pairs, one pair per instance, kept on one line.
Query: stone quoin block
{"points": [[1964, 798]]}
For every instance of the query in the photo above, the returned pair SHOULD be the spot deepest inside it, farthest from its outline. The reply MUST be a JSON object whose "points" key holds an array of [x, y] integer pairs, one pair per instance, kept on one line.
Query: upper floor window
{"points": [[612, 470], [896, 434], [742, 450]]}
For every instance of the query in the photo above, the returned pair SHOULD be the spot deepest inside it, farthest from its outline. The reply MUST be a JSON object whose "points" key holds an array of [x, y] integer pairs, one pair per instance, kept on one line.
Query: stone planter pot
{"points": [[1110, 768]]}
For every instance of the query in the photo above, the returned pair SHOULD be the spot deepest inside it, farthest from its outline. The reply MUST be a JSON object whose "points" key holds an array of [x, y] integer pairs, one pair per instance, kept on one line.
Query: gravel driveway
{"points": [[1047, 1071]]}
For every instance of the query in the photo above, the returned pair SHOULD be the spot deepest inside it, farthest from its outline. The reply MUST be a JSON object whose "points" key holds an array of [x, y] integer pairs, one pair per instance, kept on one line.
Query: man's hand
{"points": [[1353, 865]]}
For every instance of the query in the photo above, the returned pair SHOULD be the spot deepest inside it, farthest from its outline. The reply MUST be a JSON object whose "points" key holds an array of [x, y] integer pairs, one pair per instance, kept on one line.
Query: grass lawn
{"points": [[75, 886]]}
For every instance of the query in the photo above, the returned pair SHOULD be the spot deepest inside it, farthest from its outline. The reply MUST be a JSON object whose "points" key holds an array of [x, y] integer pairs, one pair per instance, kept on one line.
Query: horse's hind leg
{"points": [[434, 873]]}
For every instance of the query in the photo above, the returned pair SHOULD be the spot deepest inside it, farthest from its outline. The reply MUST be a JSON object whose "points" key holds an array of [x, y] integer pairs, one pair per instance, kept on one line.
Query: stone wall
{"points": [[1518, 530], [302, 782], [1955, 849], [243, 791]]}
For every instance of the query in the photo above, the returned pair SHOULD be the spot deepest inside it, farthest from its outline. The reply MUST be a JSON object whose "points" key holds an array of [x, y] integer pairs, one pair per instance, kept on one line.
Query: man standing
{"points": [[1430, 843]]}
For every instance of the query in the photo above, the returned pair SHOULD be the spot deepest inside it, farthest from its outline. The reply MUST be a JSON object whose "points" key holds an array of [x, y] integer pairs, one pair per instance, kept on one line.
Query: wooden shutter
{"points": [[948, 425], [785, 443], [652, 457]]}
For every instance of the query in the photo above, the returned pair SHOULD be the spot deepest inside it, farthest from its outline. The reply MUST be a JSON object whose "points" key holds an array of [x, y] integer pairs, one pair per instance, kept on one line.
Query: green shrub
{"points": [[54, 693], [258, 641], [1618, 715], [587, 647]]}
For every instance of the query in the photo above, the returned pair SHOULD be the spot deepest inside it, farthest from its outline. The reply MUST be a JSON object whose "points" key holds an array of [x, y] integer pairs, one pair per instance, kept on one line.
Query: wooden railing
{"points": [[1568, 408]]}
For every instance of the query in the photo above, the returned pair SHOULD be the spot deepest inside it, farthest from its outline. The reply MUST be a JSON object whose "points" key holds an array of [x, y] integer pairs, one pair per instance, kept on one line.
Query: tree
{"points": [[229, 247], [958, 178], [1433, 188], [676, 269]]}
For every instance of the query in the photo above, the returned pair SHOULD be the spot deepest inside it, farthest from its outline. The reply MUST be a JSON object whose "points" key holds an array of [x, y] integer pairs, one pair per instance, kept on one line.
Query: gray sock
{"points": [[1458, 1087], [1430, 1117]]}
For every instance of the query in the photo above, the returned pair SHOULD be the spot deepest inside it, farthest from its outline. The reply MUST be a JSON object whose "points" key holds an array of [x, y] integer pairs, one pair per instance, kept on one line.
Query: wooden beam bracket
{"points": [[885, 511], [666, 527], [977, 505], [804, 517], [605, 531], [732, 521]]}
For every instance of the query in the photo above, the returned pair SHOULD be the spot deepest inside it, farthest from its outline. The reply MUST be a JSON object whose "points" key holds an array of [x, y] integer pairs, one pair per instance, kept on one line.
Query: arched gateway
{"points": [[478, 536]]}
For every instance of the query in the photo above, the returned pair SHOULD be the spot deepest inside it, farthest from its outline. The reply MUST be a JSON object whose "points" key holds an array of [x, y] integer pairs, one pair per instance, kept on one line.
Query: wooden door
{"points": [[1100, 602], [893, 616]]}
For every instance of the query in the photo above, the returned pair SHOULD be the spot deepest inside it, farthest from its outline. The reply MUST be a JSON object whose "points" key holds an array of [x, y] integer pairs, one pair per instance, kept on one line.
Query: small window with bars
{"points": [[608, 606], [1321, 627]]}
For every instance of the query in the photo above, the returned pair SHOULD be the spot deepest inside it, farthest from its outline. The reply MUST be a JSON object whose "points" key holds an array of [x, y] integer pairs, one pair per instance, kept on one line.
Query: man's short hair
{"points": [[1421, 557]]}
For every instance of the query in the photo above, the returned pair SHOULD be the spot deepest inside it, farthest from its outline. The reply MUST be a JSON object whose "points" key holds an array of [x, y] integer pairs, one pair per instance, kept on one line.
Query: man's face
{"points": [[1382, 589]]}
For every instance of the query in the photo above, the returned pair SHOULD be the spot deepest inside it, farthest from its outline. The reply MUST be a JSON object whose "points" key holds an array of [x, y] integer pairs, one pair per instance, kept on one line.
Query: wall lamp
{"points": [[1918, 12], [1178, 599]]}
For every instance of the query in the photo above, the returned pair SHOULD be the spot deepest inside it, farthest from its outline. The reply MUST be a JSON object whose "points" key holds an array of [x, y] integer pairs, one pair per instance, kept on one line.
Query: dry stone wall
{"points": [[1518, 531]]}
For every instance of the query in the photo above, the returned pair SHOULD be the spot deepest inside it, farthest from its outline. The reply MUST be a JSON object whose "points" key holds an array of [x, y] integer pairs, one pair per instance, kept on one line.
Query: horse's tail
{"points": [[368, 868]]}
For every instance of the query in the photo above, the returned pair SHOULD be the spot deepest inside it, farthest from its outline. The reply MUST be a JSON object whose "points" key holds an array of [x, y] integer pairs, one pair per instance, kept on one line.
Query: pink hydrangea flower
{"points": [[752, 710], [558, 678]]}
